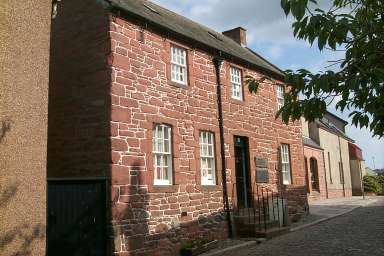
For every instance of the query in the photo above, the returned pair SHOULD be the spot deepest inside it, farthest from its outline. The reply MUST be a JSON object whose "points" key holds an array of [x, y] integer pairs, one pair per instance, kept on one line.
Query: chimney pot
{"points": [[239, 35]]}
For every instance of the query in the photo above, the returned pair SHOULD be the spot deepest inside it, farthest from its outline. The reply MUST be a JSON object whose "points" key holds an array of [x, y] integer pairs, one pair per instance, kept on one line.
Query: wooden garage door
{"points": [[76, 218]]}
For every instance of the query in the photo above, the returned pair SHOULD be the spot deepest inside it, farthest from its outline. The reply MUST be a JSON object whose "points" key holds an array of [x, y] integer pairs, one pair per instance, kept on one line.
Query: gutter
{"points": [[217, 61]]}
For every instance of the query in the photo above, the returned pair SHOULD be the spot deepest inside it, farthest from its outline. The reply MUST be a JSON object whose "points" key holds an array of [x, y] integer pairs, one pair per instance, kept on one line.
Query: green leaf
{"points": [[285, 4], [322, 40], [358, 79]]}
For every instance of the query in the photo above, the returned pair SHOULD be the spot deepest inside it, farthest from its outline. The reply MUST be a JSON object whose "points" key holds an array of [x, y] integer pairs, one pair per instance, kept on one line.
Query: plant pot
{"points": [[186, 252]]}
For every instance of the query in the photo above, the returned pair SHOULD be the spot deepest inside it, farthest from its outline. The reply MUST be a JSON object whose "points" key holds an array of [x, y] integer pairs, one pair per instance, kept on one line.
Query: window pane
{"points": [[285, 164], [209, 163], [179, 65], [207, 160], [280, 96], [235, 75], [162, 157]]}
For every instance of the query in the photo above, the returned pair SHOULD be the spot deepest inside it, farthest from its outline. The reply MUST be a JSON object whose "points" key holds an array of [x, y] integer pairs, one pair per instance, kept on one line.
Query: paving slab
{"points": [[319, 211], [323, 210]]}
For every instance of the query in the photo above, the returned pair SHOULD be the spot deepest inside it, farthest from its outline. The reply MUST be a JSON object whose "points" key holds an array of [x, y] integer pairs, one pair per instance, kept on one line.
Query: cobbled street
{"points": [[360, 232]]}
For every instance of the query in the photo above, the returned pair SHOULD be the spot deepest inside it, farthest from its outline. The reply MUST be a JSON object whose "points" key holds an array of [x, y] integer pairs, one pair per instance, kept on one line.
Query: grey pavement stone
{"points": [[359, 232], [326, 209]]}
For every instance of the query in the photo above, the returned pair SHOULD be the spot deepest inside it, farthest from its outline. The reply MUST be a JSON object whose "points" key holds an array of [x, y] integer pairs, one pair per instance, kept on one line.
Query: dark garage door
{"points": [[76, 218]]}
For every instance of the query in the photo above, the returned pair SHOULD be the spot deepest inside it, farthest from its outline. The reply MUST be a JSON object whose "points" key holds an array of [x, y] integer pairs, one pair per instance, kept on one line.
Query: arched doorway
{"points": [[314, 174], [307, 174]]}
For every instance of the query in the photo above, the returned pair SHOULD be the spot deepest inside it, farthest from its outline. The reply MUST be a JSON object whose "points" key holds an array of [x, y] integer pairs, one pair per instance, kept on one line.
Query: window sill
{"points": [[209, 187], [179, 85], [236, 101], [163, 188]]}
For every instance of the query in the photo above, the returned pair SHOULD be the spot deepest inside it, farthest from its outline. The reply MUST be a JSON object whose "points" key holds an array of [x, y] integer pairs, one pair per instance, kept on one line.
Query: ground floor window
{"points": [[285, 164], [207, 158], [162, 154], [314, 173]]}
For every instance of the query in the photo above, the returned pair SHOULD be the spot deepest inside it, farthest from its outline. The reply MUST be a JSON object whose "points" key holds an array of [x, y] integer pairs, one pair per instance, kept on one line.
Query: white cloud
{"points": [[275, 51], [264, 20], [269, 32]]}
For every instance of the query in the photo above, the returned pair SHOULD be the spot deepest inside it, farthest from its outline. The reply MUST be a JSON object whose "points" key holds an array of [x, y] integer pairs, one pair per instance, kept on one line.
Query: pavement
{"points": [[323, 210], [324, 231]]}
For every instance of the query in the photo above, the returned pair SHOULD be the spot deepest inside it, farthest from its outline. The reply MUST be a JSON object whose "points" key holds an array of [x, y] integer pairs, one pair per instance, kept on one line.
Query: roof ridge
{"points": [[191, 30]]}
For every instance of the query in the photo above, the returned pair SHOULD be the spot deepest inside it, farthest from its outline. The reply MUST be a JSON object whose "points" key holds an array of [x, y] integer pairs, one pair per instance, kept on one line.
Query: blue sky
{"points": [[269, 33]]}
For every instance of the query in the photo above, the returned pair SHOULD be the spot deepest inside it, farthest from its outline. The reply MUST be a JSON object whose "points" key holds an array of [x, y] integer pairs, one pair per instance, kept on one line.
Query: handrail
{"points": [[265, 207]]}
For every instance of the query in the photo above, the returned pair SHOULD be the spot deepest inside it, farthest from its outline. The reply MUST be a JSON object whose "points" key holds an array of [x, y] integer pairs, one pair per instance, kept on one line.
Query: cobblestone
{"points": [[359, 232]]}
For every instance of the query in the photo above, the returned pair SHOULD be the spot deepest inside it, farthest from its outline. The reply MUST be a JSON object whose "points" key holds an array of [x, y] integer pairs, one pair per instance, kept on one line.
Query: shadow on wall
{"points": [[5, 127], [20, 239], [145, 223]]}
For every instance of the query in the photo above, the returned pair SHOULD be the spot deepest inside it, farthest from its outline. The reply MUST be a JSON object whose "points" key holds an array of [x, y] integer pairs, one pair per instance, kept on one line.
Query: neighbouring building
{"points": [[314, 166], [143, 104], [24, 65], [368, 171], [357, 166], [330, 143]]}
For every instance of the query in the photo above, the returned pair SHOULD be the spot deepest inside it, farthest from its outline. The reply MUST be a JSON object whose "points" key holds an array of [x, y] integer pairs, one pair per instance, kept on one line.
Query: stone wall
{"points": [[356, 167], [78, 131], [310, 152], [110, 85], [148, 217], [330, 143]]}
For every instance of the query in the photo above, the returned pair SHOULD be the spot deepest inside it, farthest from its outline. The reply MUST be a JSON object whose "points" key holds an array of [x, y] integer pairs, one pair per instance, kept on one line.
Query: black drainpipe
{"points": [[341, 167], [217, 61], [325, 177]]}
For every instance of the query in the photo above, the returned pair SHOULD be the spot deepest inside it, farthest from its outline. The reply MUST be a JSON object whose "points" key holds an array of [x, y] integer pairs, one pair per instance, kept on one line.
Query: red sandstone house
{"points": [[331, 171], [146, 110]]}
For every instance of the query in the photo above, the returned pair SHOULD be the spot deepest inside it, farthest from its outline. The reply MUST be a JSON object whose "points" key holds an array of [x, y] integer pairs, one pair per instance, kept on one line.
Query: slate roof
{"points": [[333, 129], [194, 31], [311, 143]]}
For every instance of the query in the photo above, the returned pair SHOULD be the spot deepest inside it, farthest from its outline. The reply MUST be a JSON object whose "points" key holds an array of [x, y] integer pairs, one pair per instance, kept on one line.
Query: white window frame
{"points": [[280, 90], [286, 164], [179, 65], [162, 154], [207, 156], [236, 83]]}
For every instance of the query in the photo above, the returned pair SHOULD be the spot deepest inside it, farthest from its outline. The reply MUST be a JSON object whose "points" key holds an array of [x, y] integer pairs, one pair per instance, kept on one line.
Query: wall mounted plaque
{"points": [[262, 175], [261, 162]]}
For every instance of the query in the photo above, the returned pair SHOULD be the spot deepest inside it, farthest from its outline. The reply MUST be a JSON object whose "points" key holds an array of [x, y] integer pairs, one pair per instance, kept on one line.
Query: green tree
{"points": [[355, 27]]}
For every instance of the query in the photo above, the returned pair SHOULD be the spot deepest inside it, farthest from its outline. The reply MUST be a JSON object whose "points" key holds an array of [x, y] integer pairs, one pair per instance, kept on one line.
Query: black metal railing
{"points": [[265, 208]]}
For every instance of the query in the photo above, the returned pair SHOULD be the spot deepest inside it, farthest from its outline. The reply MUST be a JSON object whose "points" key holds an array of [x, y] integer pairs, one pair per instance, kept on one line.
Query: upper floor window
{"points": [[162, 154], [179, 71], [285, 164], [207, 158], [237, 88], [280, 97], [330, 170]]}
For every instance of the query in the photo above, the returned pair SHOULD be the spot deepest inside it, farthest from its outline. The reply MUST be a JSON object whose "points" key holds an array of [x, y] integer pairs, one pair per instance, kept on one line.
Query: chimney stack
{"points": [[239, 35]]}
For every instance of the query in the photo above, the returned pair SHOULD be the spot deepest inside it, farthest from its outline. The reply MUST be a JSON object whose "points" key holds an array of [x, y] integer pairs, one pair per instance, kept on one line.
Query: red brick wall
{"points": [[141, 95], [310, 152], [78, 126], [332, 193], [338, 193], [107, 89]]}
